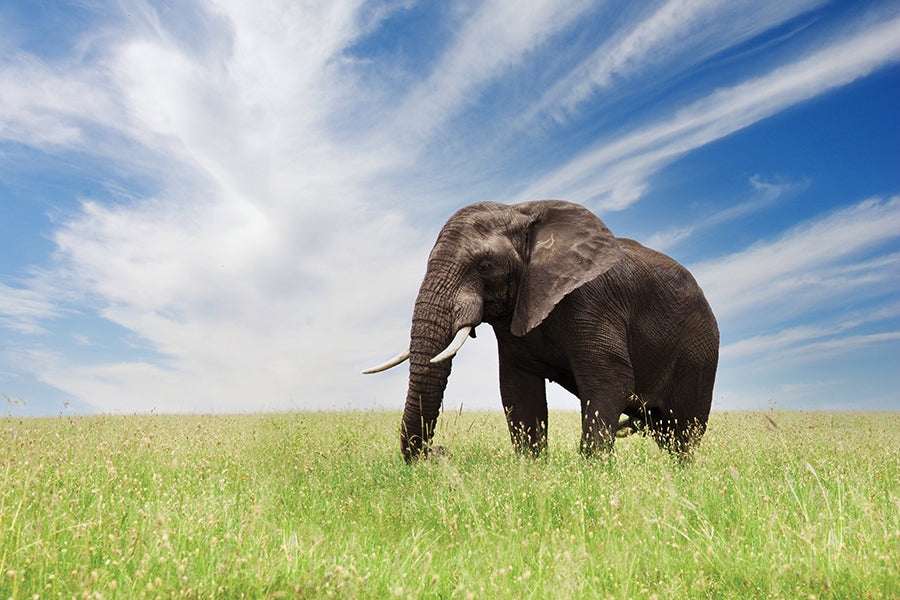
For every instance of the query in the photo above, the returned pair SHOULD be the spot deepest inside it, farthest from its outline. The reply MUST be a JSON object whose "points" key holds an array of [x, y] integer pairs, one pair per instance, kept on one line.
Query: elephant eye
{"points": [[484, 266]]}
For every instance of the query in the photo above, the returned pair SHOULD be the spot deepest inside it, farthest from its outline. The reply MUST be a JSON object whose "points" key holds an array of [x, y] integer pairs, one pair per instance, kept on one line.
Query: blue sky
{"points": [[227, 206]]}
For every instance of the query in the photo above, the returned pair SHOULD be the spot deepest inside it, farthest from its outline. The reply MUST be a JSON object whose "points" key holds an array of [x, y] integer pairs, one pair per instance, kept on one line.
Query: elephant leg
{"points": [[681, 422], [605, 394], [524, 397], [677, 433]]}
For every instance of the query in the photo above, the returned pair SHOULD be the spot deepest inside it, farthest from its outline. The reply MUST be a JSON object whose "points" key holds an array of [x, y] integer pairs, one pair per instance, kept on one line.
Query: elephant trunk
{"points": [[436, 319]]}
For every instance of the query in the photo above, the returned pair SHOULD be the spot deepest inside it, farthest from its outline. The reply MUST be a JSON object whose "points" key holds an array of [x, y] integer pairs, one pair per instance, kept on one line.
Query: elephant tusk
{"points": [[454, 346], [391, 363]]}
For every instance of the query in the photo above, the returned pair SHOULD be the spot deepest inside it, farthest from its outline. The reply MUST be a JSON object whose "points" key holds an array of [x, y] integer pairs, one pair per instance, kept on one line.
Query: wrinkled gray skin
{"points": [[624, 328]]}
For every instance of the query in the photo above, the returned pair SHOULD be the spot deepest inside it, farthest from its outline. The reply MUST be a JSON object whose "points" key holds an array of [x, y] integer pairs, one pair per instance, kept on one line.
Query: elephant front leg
{"points": [[524, 399]]}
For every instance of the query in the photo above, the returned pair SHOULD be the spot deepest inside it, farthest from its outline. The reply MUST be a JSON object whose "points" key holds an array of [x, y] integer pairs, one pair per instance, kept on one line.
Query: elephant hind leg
{"points": [[633, 419], [602, 404], [678, 435], [678, 422]]}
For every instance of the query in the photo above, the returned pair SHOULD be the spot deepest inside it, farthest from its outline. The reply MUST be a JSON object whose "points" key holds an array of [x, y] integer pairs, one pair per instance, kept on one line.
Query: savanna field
{"points": [[776, 505]]}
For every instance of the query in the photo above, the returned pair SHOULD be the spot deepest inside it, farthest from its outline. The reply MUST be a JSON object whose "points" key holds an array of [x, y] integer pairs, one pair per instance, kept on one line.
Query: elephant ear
{"points": [[568, 246]]}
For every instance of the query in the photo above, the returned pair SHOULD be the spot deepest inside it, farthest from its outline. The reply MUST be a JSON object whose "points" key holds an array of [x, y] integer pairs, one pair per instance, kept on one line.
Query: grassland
{"points": [[776, 505]]}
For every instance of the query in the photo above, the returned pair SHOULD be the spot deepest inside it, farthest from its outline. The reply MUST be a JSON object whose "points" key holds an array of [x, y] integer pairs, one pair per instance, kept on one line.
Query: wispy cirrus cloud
{"points": [[673, 35], [810, 265], [23, 310], [613, 174], [491, 43], [782, 309], [47, 106], [807, 340], [766, 194]]}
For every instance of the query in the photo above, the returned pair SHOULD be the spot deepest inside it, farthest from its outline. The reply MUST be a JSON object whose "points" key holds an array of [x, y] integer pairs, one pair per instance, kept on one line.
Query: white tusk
{"points": [[454, 346], [391, 363]]}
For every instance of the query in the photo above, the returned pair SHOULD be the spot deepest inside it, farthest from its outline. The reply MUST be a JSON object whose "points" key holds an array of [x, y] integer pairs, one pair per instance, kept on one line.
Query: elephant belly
{"points": [[536, 354]]}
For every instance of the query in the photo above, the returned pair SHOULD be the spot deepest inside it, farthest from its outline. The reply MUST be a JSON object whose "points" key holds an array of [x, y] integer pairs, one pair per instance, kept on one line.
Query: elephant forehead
{"points": [[475, 225], [471, 244]]}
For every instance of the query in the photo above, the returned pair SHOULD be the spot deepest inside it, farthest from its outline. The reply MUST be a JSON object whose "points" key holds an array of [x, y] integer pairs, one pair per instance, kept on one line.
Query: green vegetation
{"points": [[776, 505]]}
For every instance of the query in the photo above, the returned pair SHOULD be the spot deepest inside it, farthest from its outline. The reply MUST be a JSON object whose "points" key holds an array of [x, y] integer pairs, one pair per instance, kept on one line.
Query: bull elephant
{"points": [[624, 328]]}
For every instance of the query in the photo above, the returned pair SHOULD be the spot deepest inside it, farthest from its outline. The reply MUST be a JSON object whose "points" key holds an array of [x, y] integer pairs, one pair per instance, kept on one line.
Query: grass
{"points": [[776, 505]]}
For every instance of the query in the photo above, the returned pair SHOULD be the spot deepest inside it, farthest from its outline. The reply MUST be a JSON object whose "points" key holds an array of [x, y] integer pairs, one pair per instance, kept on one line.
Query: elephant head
{"points": [[504, 265]]}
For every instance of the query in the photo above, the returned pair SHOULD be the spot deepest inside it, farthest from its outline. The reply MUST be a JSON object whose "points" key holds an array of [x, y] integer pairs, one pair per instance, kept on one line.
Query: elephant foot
{"points": [[597, 449], [628, 426], [427, 452], [531, 450], [435, 452]]}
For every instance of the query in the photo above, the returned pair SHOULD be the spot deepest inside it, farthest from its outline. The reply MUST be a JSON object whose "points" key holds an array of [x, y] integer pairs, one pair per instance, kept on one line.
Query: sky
{"points": [[226, 206]]}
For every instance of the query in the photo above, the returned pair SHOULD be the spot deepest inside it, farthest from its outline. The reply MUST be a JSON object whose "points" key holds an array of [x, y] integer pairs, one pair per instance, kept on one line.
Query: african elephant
{"points": [[624, 328]]}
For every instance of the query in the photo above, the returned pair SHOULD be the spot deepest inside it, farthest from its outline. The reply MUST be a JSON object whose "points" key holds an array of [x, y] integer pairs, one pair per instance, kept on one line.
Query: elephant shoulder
{"points": [[643, 254], [653, 268]]}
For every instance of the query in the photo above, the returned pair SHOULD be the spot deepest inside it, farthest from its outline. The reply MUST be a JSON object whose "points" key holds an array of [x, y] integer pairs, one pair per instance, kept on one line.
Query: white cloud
{"points": [[250, 271], [613, 174], [23, 310], [766, 195], [843, 346], [782, 310], [47, 107], [806, 340], [763, 344], [241, 311], [808, 265], [674, 30], [664, 240], [491, 43]]}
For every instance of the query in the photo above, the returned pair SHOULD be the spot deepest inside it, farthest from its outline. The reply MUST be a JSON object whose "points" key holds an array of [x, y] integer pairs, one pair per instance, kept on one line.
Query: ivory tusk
{"points": [[391, 363], [454, 346]]}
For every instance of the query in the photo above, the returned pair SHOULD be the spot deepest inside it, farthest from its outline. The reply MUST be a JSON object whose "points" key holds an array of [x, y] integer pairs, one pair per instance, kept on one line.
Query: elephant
{"points": [[624, 328]]}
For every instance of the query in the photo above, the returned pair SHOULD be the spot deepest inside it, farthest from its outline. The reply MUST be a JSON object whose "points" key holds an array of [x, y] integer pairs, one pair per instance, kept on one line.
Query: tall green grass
{"points": [[776, 505]]}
